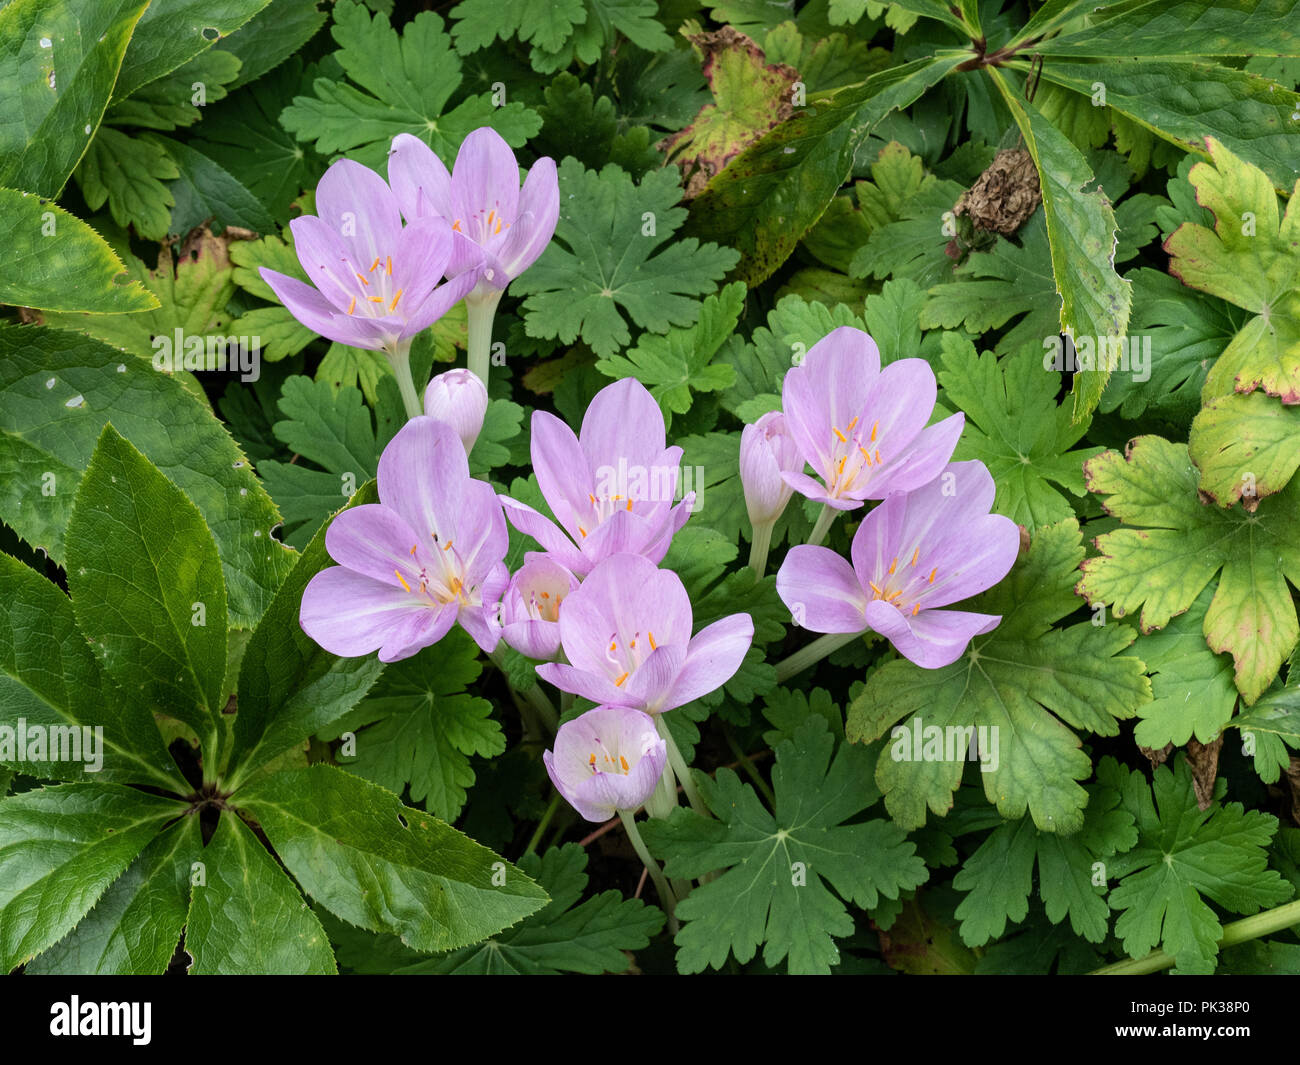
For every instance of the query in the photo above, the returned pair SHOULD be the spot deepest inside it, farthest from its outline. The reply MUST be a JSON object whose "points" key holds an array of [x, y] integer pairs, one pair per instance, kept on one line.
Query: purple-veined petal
{"points": [[423, 474], [827, 391], [594, 686], [531, 523], [821, 590], [563, 473], [624, 423], [973, 560], [539, 210], [438, 303], [360, 207], [932, 639], [375, 541], [319, 315], [649, 686], [419, 179], [714, 655], [533, 638], [324, 259], [349, 614], [921, 461]]}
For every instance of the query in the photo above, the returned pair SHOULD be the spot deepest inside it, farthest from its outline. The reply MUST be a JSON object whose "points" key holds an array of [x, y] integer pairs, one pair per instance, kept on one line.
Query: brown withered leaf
{"points": [[1005, 195], [1204, 760]]}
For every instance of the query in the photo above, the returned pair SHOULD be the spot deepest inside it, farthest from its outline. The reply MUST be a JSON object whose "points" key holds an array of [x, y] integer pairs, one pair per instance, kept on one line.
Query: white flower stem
{"points": [[680, 767], [666, 895], [759, 547], [824, 520], [481, 310], [813, 653], [399, 356]]}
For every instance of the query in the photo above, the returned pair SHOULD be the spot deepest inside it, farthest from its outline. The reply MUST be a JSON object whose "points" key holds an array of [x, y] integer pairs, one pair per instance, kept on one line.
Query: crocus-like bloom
{"points": [[530, 609], [915, 552], [767, 452], [376, 282], [862, 429], [607, 760], [480, 198], [611, 488], [427, 555], [627, 635], [459, 398]]}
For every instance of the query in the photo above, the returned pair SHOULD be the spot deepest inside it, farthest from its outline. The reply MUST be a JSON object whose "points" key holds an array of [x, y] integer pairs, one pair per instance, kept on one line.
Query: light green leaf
{"points": [[1172, 546], [60, 849], [1030, 681], [248, 918], [54, 261], [59, 389], [384, 866], [135, 927], [1246, 446], [57, 71], [128, 173], [146, 587]]}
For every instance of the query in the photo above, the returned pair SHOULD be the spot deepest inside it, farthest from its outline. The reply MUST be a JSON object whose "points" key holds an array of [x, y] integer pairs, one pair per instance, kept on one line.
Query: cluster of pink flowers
{"points": [[593, 607], [930, 543]]}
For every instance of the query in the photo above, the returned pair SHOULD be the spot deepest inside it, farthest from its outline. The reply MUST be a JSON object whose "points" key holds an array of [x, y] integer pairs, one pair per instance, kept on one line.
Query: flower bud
{"points": [[530, 609], [460, 399], [766, 452], [607, 760]]}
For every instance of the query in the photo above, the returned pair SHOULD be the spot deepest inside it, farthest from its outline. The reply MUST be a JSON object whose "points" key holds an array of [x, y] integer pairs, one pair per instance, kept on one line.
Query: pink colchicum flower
{"points": [[611, 488], [530, 608], [460, 399], [861, 428], [375, 281], [627, 635], [607, 760], [915, 552], [428, 555], [767, 452], [480, 198]]}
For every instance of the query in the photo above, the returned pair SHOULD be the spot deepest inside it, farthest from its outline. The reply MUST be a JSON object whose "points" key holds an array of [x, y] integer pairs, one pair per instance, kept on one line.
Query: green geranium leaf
{"points": [[1015, 428], [60, 849], [247, 916], [424, 727], [1030, 681], [384, 866], [1246, 446], [1174, 546], [1184, 856], [147, 588], [781, 869], [606, 256], [999, 875], [682, 362], [406, 82], [1191, 686], [128, 173]]}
